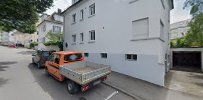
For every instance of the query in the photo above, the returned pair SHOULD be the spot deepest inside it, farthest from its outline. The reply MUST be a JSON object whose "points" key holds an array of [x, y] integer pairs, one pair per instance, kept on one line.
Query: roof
{"points": [[66, 52], [50, 18], [72, 6]]}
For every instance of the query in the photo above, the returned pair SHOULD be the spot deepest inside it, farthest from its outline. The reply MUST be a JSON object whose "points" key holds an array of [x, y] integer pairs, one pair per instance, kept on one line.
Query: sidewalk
{"points": [[142, 90]]}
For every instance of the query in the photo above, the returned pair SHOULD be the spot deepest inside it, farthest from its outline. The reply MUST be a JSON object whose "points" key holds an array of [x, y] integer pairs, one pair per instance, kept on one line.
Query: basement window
{"points": [[86, 54], [131, 57], [104, 55]]}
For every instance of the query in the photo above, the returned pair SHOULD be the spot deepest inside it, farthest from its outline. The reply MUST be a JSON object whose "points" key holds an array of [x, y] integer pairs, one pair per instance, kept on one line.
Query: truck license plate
{"points": [[97, 82]]}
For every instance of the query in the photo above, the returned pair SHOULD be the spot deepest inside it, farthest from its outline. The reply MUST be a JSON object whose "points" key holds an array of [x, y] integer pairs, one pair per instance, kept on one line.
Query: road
{"points": [[21, 80]]}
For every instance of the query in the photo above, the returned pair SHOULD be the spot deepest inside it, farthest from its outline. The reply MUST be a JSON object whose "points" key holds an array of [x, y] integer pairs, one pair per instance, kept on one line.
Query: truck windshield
{"points": [[73, 57]]}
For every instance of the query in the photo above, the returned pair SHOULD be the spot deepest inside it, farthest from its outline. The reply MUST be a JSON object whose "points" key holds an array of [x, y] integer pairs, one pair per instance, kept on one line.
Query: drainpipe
{"points": [[202, 59]]}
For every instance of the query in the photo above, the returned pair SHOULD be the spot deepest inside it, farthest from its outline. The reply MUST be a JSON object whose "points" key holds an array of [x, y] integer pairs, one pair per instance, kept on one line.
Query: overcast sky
{"points": [[177, 14]]}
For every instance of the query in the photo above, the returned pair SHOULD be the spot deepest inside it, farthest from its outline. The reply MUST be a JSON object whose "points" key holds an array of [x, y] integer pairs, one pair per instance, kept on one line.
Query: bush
{"points": [[55, 43], [33, 44]]}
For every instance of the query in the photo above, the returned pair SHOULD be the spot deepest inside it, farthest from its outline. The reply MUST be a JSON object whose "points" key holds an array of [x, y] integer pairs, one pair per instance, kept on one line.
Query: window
{"points": [[86, 54], [44, 28], [81, 14], [81, 37], [74, 38], [103, 55], [73, 57], [131, 57], [66, 45], [92, 35], [140, 28], [54, 58], [74, 18], [43, 39], [37, 32], [92, 9], [56, 29]]}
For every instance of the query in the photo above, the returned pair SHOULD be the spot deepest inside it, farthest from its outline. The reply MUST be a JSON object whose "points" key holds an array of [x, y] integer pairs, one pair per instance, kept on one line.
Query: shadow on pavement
{"points": [[3, 81], [57, 90], [25, 52], [4, 65]]}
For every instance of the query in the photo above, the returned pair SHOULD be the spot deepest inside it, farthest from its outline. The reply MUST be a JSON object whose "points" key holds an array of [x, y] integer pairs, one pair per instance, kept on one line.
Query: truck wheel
{"points": [[33, 61], [46, 72], [38, 65], [72, 87]]}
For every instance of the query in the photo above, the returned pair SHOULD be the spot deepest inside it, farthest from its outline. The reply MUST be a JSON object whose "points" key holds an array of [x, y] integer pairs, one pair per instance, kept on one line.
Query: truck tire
{"points": [[72, 87], [46, 72], [38, 65], [33, 61]]}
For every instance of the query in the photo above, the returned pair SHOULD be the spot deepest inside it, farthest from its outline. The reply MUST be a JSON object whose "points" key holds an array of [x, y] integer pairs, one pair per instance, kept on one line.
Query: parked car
{"points": [[79, 74], [40, 57], [12, 45]]}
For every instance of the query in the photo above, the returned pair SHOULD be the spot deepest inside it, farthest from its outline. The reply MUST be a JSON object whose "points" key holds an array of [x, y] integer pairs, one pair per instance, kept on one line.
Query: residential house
{"points": [[179, 29], [132, 36], [15, 37], [47, 23]]}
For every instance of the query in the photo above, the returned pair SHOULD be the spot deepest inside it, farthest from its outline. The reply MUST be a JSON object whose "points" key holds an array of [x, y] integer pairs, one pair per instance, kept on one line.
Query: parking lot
{"points": [[21, 80]]}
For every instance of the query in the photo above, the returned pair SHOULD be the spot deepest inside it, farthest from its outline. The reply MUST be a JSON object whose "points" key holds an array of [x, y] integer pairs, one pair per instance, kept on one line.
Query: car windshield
{"points": [[73, 57], [46, 54]]}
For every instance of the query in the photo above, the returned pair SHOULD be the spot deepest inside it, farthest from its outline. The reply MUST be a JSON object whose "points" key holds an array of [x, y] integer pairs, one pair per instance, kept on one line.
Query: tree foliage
{"points": [[21, 15], [194, 36], [195, 6], [55, 39]]}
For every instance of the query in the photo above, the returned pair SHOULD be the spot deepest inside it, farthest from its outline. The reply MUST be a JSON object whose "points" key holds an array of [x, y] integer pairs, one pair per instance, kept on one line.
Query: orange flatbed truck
{"points": [[79, 74]]}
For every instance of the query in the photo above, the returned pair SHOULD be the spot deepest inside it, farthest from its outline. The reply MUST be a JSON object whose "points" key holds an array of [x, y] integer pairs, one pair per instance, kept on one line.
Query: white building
{"points": [[179, 29], [49, 23], [132, 36]]}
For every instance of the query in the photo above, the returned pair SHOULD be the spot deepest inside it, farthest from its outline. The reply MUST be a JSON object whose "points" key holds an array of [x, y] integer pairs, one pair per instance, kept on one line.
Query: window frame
{"points": [[104, 55], [133, 57], [74, 38], [92, 38], [86, 54], [44, 28], [74, 18], [56, 29], [81, 14], [92, 10], [81, 37]]}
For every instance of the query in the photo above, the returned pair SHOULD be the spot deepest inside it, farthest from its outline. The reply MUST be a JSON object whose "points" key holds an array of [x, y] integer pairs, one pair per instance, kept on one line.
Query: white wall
{"points": [[113, 25], [49, 27], [179, 29]]}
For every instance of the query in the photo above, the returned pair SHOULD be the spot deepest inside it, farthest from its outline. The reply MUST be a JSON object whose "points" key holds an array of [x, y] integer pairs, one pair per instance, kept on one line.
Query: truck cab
{"points": [[79, 74], [58, 59]]}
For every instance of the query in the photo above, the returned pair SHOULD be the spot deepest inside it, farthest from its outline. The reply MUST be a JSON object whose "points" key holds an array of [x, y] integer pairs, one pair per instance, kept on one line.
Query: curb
{"points": [[125, 92]]}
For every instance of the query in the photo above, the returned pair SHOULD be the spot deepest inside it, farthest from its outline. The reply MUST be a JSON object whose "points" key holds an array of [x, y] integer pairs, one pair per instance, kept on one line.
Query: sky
{"points": [[177, 14]]}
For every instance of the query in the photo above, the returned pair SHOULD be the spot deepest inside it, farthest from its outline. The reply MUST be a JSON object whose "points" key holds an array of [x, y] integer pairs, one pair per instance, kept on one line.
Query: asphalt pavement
{"points": [[21, 80]]}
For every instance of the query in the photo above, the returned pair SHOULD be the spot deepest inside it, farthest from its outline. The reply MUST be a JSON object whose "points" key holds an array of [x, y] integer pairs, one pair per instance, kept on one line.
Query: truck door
{"points": [[53, 66]]}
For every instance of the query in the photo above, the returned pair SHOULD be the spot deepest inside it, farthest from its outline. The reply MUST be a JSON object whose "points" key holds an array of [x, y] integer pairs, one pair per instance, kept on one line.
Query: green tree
{"points": [[55, 39], [21, 15], [195, 6], [194, 36]]}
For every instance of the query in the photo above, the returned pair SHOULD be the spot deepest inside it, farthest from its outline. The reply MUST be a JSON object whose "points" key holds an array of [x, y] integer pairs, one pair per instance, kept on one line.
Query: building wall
{"points": [[179, 29], [113, 25], [49, 27]]}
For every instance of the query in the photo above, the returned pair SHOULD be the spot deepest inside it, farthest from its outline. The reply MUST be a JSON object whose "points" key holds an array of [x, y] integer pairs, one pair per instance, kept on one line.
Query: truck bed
{"points": [[84, 72]]}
